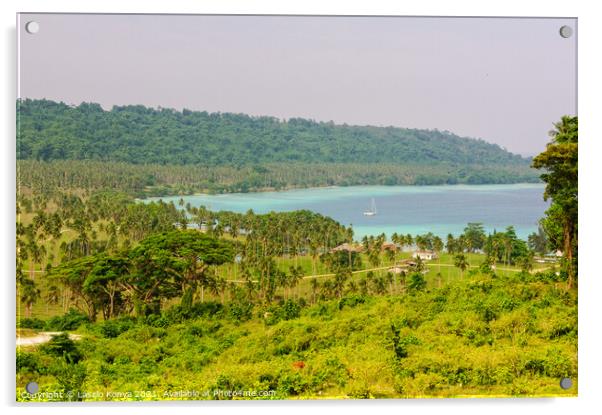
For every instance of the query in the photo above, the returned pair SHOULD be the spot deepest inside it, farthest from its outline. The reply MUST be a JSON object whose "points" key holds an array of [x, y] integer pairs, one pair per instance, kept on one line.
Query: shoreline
{"points": [[293, 188]]}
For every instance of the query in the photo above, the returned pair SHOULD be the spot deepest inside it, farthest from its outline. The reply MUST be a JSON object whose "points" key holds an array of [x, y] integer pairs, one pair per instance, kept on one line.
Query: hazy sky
{"points": [[503, 80]]}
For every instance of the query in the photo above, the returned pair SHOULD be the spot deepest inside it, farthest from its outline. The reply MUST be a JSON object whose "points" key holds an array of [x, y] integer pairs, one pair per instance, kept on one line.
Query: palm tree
{"points": [[250, 286], [284, 281], [327, 289], [217, 286], [363, 286], [438, 247], [37, 253], [222, 287], [439, 279], [351, 287], [409, 240], [450, 244], [340, 279], [52, 297], [374, 256], [526, 262], [29, 295], [379, 285], [365, 243], [398, 241], [390, 254], [315, 287], [395, 237], [420, 242], [461, 262], [507, 244], [420, 266], [461, 244], [390, 280], [313, 249], [496, 245], [296, 275]]}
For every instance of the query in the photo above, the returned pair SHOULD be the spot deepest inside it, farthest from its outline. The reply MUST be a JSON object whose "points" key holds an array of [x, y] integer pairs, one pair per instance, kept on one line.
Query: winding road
{"points": [[41, 337]]}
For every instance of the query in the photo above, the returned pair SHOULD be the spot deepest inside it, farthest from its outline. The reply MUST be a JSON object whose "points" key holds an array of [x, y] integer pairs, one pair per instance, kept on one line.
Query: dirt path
{"points": [[429, 264], [533, 271], [42, 337]]}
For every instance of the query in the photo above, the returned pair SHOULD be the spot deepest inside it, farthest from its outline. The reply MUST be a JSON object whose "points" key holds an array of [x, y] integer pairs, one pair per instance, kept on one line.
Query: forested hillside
{"points": [[136, 134]]}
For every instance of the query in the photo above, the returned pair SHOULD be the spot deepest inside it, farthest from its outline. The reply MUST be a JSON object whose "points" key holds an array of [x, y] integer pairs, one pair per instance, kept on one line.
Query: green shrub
{"points": [[478, 337], [113, 328], [178, 313], [69, 321], [240, 312], [324, 310], [416, 282], [557, 365], [287, 310], [351, 301], [28, 362], [31, 323], [291, 384], [408, 319], [550, 276], [563, 329], [61, 345], [143, 334], [196, 330], [225, 383], [290, 310], [156, 320], [486, 311], [70, 378], [400, 344]]}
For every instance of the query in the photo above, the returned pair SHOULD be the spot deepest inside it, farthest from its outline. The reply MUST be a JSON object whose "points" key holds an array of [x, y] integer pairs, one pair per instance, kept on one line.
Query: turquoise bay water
{"points": [[401, 209]]}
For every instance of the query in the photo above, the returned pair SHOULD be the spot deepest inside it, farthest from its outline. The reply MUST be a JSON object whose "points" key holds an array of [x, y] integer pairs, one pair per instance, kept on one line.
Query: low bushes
{"points": [[496, 336], [69, 321]]}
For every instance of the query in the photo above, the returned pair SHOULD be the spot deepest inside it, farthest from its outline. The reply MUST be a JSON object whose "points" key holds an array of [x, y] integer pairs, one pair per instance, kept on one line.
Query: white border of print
{"points": [[591, 139]]}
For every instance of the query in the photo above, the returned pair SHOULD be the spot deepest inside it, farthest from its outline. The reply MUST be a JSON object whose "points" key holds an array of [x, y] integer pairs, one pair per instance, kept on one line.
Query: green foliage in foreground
{"points": [[484, 336], [69, 321]]}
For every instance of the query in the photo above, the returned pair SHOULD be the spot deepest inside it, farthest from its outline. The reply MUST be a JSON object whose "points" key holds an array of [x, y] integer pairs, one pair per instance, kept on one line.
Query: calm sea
{"points": [[401, 209]]}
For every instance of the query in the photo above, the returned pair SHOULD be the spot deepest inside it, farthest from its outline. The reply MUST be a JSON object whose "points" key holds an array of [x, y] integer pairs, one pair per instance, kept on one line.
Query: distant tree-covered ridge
{"points": [[49, 130]]}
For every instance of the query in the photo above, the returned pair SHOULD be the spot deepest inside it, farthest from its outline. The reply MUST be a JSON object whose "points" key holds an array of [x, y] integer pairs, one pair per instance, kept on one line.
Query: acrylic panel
{"points": [[295, 207]]}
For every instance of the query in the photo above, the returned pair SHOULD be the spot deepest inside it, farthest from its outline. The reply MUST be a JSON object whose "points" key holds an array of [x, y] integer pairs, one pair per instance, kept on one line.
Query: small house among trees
{"points": [[403, 266], [346, 247], [391, 246], [425, 255]]}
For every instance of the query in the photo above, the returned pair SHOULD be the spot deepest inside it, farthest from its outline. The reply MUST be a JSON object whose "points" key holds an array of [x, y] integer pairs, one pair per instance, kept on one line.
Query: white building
{"points": [[425, 255]]}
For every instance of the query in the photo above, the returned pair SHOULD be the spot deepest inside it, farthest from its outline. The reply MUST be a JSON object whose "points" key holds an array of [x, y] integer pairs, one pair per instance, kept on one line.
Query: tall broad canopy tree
{"points": [[104, 281], [172, 263], [162, 266], [505, 247], [72, 275], [475, 236], [560, 161], [538, 241]]}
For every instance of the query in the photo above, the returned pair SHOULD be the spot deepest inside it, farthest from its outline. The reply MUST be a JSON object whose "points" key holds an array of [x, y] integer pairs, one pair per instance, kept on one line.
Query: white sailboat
{"points": [[372, 211]]}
